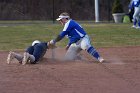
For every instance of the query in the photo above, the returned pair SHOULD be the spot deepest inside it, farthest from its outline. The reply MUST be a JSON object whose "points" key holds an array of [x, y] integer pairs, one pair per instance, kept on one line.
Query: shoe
{"points": [[134, 26], [10, 57], [138, 27], [25, 58], [101, 60]]}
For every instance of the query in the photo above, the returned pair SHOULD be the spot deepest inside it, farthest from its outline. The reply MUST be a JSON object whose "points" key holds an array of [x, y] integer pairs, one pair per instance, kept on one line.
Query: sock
{"points": [[31, 58], [18, 57], [92, 51]]}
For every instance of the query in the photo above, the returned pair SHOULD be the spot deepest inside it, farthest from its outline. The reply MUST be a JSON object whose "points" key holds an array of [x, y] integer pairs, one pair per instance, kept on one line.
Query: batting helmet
{"points": [[35, 42]]}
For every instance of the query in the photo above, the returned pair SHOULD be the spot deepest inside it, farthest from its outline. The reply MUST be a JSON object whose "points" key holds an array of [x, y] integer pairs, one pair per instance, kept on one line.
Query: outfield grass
{"points": [[18, 35]]}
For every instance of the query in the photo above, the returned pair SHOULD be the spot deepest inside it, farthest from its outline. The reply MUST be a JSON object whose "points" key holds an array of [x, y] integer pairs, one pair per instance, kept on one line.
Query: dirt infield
{"points": [[119, 74]]}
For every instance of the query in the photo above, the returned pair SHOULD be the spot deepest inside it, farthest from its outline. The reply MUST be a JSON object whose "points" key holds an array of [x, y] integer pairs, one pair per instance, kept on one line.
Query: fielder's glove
{"points": [[51, 44]]}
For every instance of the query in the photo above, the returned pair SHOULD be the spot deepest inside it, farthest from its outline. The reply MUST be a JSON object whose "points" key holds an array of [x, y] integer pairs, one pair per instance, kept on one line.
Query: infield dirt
{"points": [[119, 74]]}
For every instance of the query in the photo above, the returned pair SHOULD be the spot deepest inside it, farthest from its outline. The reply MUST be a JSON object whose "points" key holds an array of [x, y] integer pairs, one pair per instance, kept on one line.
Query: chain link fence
{"points": [[50, 9]]}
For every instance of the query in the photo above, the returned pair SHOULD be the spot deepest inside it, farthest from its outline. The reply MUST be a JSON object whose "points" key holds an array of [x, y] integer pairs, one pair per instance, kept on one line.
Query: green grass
{"points": [[17, 35], [104, 35]]}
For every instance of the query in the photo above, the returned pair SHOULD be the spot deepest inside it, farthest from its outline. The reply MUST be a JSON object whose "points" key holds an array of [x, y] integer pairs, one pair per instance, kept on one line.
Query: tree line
{"points": [[50, 9]]}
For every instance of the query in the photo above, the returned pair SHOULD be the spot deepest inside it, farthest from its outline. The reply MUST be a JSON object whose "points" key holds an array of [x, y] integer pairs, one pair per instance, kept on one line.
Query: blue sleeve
{"points": [[63, 33], [66, 29]]}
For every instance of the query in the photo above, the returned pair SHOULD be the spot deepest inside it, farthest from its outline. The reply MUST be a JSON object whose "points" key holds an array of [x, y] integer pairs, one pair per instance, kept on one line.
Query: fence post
{"points": [[96, 11]]}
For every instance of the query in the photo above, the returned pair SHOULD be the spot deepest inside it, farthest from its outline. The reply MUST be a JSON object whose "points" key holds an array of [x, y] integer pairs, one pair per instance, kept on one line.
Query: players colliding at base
{"points": [[78, 38]]}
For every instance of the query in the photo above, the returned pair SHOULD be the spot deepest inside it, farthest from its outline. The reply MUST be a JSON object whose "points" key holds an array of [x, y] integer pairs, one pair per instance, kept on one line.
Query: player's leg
{"points": [[138, 19], [28, 55], [72, 52], [138, 24], [136, 16], [27, 58], [86, 45], [13, 55], [39, 52], [34, 53], [134, 23]]}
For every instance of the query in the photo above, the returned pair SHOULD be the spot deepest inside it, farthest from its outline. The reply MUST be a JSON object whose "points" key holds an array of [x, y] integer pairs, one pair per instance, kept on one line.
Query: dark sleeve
{"points": [[58, 38]]}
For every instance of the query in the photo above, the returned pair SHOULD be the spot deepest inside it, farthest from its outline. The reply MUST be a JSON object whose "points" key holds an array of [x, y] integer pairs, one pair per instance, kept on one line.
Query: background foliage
{"points": [[50, 9], [117, 7]]}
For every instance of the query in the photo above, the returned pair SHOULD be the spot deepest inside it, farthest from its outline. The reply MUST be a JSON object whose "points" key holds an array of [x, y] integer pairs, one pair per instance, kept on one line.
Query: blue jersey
{"points": [[134, 3], [73, 30]]}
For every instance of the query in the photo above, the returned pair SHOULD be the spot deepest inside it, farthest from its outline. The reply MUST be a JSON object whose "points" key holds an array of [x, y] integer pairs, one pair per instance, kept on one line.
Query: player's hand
{"points": [[52, 42], [67, 47]]}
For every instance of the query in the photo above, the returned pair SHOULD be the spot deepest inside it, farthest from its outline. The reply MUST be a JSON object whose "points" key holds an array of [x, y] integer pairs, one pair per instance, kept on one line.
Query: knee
{"points": [[85, 47], [71, 52], [74, 47]]}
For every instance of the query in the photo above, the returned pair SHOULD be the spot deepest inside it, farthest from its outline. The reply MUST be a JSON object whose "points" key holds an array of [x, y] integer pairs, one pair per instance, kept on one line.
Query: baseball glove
{"points": [[51, 46]]}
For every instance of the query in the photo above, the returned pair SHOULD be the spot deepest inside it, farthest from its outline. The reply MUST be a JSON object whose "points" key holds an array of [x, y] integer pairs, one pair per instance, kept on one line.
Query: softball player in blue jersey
{"points": [[136, 5], [78, 39], [32, 54]]}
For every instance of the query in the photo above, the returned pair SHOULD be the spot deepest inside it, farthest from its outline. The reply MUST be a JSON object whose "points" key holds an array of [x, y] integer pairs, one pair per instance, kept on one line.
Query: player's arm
{"points": [[66, 28], [60, 36], [131, 5]]}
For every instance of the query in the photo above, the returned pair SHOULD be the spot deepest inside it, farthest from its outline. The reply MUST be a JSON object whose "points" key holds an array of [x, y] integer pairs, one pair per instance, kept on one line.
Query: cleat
{"points": [[25, 58], [134, 26], [10, 57], [101, 60], [138, 27]]}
